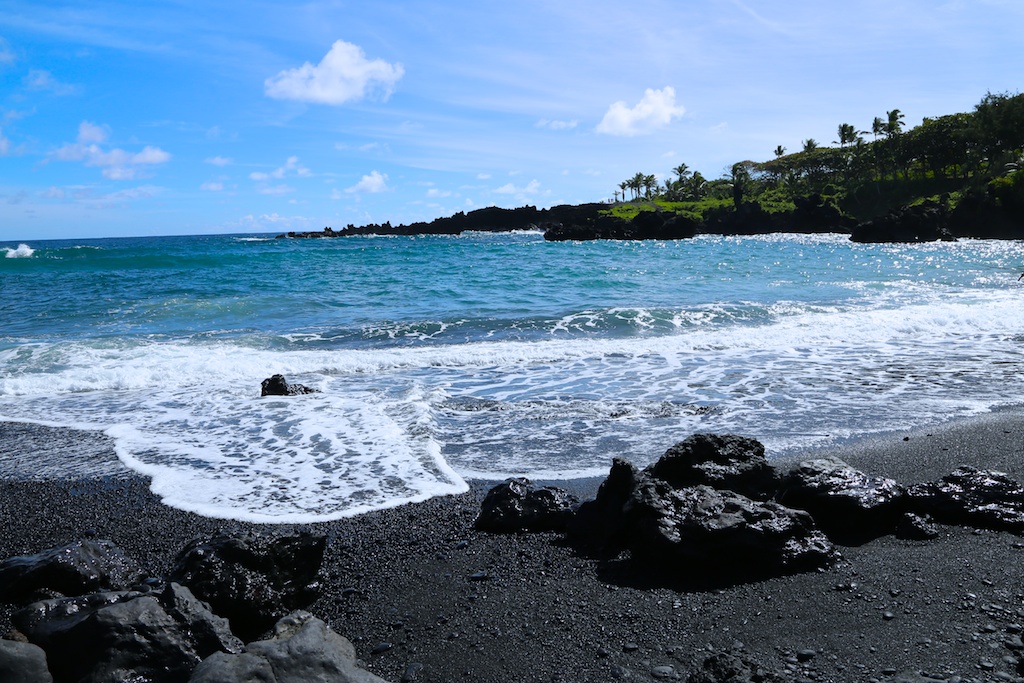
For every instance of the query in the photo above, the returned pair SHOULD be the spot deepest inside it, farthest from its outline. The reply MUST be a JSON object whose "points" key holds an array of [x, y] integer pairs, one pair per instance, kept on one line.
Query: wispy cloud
{"points": [[375, 182], [219, 161], [6, 54], [343, 75], [655, 110], [40, 79], [557, 125], [117, 164], [291, 168], [212, 187]]}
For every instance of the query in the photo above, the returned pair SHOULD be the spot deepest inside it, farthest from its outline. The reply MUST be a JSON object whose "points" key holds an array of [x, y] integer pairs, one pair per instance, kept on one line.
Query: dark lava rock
{"points": [[914, 527], [600, 524], [732, 667], [721, 461], [847, 504], [23, 663], [722, 535], [125, 636], [921, 223], [253, 579], [972, 497], [74, 569], [517, 505], [303, 649], [277, 385]]}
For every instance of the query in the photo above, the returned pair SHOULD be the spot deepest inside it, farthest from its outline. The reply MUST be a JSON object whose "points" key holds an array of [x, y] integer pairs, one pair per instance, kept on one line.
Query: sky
{"points": [[168, 117]]}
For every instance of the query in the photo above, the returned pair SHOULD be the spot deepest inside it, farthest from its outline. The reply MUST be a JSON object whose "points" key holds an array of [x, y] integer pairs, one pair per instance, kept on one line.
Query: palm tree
{"points": [[847, 135], [649, 183], [624, 185], [895, 124], [636, 183], [810, 144], [780, 151], [682, 171], [877, 127]]}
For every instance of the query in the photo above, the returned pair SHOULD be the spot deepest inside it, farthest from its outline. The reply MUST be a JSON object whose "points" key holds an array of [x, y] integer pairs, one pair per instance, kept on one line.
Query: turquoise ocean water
{"points": [[440, 359]]}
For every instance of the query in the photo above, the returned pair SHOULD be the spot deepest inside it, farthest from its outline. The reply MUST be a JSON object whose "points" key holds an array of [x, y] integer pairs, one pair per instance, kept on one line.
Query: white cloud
{"points": [[212, 187], [291, 168], [40, 79], [520, 193], [54, 192], [343, 75], [483, 176], [375, 182], [655, 110], [90, 133], [435, 193], [5, 145], [6, 55], [117, 164], [557, 125], [219, 161], [276, 190], [335, 193]]}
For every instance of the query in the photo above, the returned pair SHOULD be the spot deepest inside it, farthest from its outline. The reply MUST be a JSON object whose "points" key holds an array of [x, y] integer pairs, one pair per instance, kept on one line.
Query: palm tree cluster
{"points": [[946, 151]]}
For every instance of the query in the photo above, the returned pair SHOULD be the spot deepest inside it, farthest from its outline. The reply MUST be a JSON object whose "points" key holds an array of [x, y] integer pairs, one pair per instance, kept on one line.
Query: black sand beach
{"points": [[405, 585]]}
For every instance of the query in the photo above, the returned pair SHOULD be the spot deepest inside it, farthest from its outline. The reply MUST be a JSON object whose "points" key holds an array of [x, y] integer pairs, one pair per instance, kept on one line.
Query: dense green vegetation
{"points": [[977, 156]]}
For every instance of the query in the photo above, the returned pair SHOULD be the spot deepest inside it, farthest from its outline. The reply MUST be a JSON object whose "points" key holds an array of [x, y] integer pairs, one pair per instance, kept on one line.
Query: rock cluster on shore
{"points": [[712, 511], [91, 615]]}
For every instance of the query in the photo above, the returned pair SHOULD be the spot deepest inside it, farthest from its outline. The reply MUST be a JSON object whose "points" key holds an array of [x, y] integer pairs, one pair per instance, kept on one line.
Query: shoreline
{"points": [[401, 577]]}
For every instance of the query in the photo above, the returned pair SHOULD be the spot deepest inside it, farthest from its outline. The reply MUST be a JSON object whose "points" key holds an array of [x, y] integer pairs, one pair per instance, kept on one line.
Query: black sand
{"points": [[405, 586]]}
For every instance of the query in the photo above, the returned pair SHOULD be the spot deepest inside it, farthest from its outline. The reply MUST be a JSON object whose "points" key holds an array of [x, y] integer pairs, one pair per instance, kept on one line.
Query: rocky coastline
{"points": [[429, 592], [977, 216]]}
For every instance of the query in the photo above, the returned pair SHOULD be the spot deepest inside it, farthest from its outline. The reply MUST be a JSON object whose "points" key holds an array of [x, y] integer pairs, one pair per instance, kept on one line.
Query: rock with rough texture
{"points": [[74, 569], [847, 504], [920, 223], [732, 667], [121, 636], [517, 505], [721, 461], [303, 649], [915, 527], [23, 663], [599, 523], [253, 579], [277, 385], [722, 535], [972, 497]]}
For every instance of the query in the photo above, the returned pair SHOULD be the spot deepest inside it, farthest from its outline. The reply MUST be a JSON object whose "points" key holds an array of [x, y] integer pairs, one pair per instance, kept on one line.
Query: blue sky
{"points": [[173, 117]]}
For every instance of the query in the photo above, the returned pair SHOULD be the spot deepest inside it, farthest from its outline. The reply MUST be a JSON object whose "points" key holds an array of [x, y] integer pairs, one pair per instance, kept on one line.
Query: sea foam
{"points": [[22, 251]]}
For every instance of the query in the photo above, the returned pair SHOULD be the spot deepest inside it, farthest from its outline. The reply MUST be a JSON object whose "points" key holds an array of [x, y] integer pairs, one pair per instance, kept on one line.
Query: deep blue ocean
{"points": [[440, 359]]}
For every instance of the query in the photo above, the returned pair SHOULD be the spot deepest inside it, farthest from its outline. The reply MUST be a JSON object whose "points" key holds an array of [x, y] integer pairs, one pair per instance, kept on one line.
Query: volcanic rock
{"points": [[253, 579], [74, 569], [517, 505], [847, 504], [303, 649]]}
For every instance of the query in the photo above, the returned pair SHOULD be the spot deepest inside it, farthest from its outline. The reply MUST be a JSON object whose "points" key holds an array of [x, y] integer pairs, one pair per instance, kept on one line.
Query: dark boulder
{"points": [[733, 666], [722, 536], [253, 579], [517, 505], [972, 497], [121, 636], [921, 223], [23, 663], [277, 385], [850, 506], [721, 461], [74, 569], [303, 649], [600, 524], [915, 527]]}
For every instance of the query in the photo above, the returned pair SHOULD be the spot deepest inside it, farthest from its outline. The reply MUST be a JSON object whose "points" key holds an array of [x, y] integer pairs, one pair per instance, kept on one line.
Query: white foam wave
{"points": [[22, 251], [396, 425]]}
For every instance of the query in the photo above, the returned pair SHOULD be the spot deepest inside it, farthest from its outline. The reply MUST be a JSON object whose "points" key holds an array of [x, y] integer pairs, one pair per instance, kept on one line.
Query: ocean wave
{"points": [[22, 251]]}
